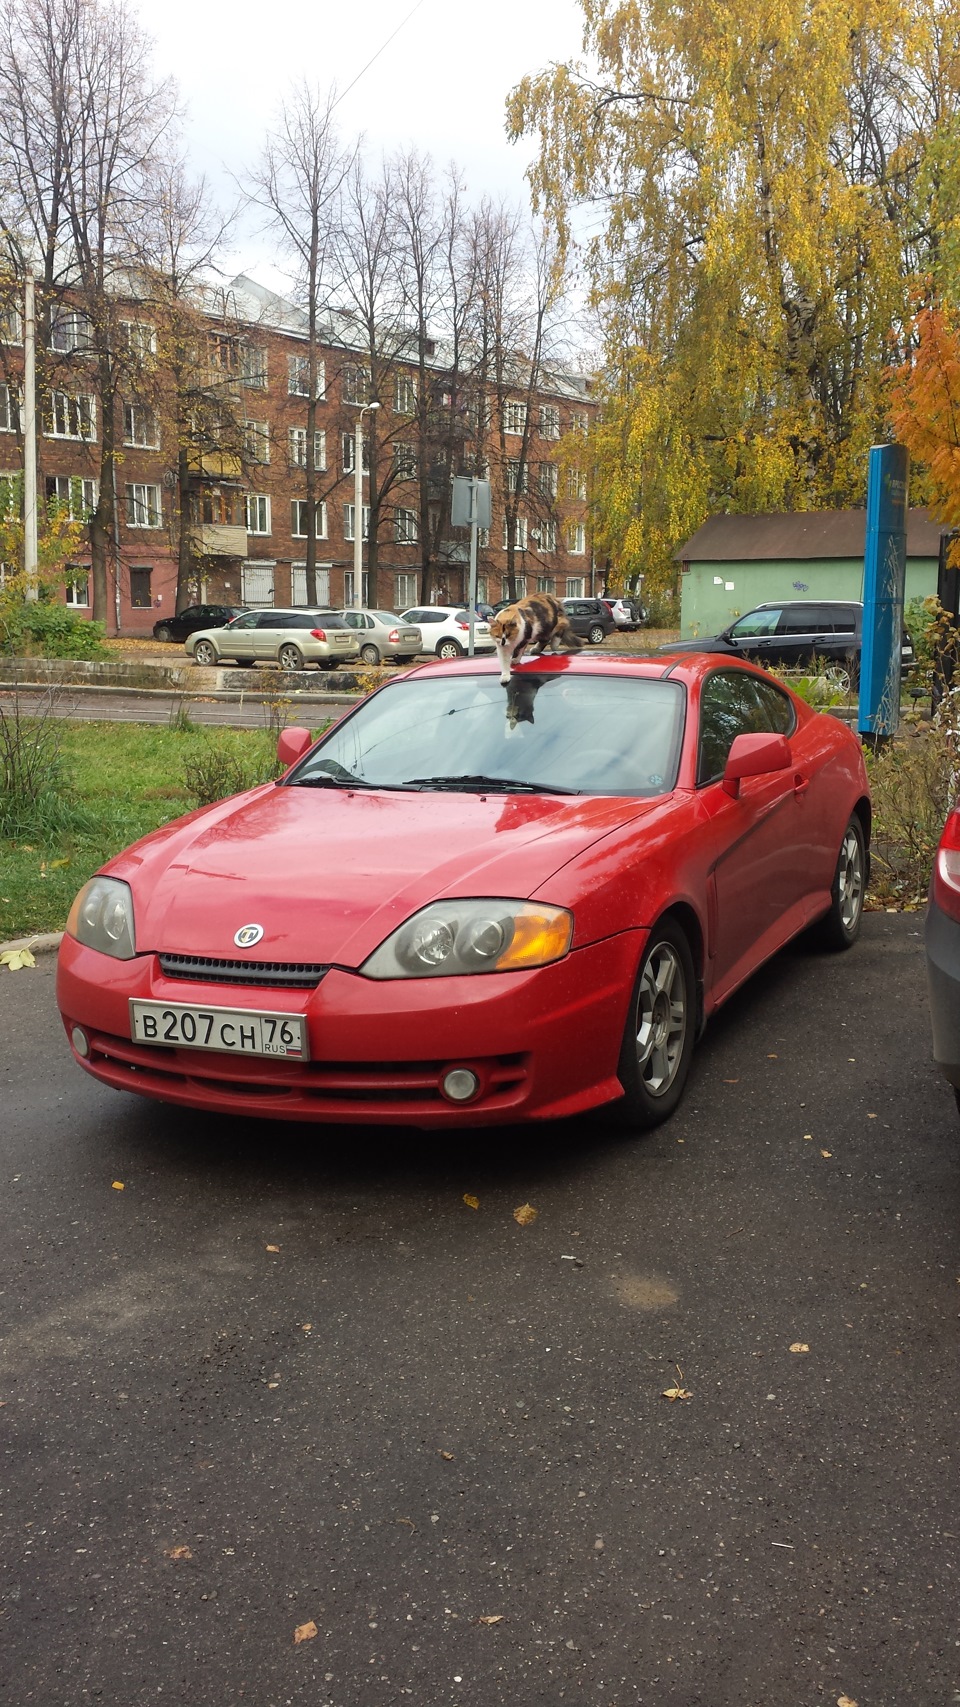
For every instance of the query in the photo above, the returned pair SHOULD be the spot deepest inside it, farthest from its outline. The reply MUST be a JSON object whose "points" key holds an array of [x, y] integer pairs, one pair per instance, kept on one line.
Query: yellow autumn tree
{"points": [[750, 184]]}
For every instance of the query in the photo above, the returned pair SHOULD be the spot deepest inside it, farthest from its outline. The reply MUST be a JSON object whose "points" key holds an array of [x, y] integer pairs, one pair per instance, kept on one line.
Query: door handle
{"points": [[800, 783]]}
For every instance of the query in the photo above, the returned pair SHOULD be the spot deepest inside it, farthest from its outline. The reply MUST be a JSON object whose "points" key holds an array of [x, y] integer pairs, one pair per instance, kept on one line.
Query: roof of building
{"points": [[797, 536]]}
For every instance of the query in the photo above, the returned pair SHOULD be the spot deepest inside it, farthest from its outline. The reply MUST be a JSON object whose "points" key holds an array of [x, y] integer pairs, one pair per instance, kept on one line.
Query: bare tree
{"points": [[298, 185]]}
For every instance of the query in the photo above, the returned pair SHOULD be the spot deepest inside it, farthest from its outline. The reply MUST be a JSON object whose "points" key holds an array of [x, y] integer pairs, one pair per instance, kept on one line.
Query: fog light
{"points": [[79, 1040], [460, 1084]]}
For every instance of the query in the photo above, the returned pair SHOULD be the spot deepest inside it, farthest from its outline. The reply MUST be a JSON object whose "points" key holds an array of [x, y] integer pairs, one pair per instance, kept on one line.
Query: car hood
{"points": [[329, 874]]}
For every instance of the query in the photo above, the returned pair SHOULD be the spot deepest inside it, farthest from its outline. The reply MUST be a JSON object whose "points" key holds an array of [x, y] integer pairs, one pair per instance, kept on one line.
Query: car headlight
{"points": [[451, 938], [102, 917]]}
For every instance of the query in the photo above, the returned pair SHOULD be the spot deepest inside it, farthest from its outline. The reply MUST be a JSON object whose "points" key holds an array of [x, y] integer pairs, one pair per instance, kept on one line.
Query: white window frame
{"points": [[253, 367], [516, 474], [348, 522], [73, 491], [548, 535], [9, 408], [549, 421], [348, 587], [545, 584], [298, 376], [405, 460], [354, 379], [141, 426], [576, 484], [349, 451], [404, 591], [547, 479], [139, 337], [298, 584], [520, 543], [298, 518], [576, 587], [257, 511], [406, 527], [514, 416], [579, 422], [11, 324], [256, 442], [138, 504], [576, 539], [404, 394], [297, 448], [66, 412], [71, 332], [77, 592]]}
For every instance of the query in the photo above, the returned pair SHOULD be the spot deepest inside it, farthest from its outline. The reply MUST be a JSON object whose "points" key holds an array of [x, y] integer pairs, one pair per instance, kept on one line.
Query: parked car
{"points": [[445, 630], [470, 903], [942, 934], [590, 618], [290, 638], [628, 614], [193, 617], [796, 632], [383, 635]]}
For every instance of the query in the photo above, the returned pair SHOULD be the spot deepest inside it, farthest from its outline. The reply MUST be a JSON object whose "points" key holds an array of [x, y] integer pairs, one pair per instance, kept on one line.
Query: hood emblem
{"points": [[247, 935]]}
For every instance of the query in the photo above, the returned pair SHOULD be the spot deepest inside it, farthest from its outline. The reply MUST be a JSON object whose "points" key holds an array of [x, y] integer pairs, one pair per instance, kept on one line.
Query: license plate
{"points": [[233, 1031]]}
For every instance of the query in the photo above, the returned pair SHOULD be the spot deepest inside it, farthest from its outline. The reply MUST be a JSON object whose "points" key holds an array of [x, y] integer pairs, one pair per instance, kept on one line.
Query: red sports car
{"points": [[470, 903]]}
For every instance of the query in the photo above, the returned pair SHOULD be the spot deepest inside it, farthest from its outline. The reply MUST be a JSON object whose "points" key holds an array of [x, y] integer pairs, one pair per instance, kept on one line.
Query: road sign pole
{"points": [[473, 565]]}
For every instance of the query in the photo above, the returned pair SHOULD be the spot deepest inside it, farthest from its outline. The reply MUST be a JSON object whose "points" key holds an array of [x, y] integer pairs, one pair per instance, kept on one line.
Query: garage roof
{"points": [[798, 535]]}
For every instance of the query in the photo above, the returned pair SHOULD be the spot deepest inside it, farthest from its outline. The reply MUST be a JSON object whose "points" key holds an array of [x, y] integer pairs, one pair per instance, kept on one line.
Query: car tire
{"points": [[370, 654], [290, 657], [840, 927], [595, 634], [205, 654], [660, 1031], [163, 633], [447, 649]]}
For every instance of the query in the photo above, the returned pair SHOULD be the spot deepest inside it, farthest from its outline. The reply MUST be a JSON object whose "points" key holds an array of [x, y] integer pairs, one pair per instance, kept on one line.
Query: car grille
{"points": [[278, 974]]}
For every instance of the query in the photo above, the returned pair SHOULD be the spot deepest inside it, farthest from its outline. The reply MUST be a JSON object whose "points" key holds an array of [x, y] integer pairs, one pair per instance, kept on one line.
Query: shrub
{"points": [[34, 799], [913, 781], [212, 773], [49, 631]]}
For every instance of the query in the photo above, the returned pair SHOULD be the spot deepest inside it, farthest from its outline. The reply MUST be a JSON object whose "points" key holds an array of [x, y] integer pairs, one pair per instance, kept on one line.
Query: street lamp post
{"points": [[29, 423], [365, 409]]}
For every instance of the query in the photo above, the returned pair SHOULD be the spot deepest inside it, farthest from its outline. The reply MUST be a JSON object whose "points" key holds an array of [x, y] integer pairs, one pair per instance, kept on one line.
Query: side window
{"points": [[843, 620], [352, 618], [765, 709], [248, 621], [756, 622], [798, 619], [271, 619], [720, 723]]}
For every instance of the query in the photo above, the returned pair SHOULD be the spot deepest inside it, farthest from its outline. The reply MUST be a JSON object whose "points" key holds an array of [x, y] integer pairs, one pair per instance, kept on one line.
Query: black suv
{"points": [[194, 617], [589, 618], [796, 632]]}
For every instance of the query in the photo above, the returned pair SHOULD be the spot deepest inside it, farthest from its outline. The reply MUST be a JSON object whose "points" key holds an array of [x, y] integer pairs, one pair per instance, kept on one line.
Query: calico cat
{"points": [[537, 622]]}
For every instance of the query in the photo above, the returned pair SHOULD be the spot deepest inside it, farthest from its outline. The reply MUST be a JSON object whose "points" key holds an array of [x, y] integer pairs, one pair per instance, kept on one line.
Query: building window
{"points": [[139, 338], [11, 495], [258, 513], [407, 527], [11, 324], [70, 417], [578, 421], [140, 426], [521, 534], [548, 479], [223, 353], [349, 453], [545, 583], [78, 586], [71, 332], [298, 448], [576, 483], [218, 506], [141, 597], [548, 536], [405, 591], [299, 515], [576, 587], [253, 367], [74, 494], [404, 394], [348, 587], [576, 539], [514, 416], [298, 376], [349, 511], [405, 461], [516, 475], [549, 421], [9, 409], [143, 506], [298, 583], [256, 584], [256, 441], [356, 384]]}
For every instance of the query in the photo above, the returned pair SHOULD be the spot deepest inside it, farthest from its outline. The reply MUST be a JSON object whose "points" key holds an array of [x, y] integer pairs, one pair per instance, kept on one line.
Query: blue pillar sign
{"points": [[884, 574]]}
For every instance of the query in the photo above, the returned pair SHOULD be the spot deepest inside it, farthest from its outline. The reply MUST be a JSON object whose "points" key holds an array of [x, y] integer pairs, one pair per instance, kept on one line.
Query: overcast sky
{"points": [[440, 84]]}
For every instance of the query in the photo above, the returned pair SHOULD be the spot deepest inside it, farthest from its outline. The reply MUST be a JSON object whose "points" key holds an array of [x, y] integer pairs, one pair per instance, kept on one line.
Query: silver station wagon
{"points": [[292, 639]]}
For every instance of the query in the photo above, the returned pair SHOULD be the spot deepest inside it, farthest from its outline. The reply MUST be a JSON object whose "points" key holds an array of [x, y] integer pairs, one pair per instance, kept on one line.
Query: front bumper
{"points": [[543, 1044], [943, 977]]}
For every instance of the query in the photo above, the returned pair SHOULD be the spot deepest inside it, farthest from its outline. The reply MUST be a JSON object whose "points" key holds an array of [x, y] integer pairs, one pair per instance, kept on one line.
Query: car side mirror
{"points": [[292, 745], [754, 755]]}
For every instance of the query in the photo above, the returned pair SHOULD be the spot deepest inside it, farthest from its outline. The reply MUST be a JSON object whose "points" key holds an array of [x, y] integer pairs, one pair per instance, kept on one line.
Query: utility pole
{"points": [[29, 425], [367, 408]]}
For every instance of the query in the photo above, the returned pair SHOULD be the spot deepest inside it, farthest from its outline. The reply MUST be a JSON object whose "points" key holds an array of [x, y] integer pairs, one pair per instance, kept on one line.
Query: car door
{"points": [[239, 639], [755, 635], [795, 643], [759, 880]]}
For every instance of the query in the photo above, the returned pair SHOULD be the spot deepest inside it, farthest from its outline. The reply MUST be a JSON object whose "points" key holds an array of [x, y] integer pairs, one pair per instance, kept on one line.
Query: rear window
{"points": [[324, 619]]}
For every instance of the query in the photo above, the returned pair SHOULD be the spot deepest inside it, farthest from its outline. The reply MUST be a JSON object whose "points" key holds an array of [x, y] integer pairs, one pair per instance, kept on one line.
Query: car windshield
{"points": [[755, 622], [559, 732]]}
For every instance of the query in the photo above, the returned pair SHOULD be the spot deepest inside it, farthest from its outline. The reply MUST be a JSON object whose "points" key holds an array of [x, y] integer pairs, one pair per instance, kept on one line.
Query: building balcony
{"points": [[218, 539], [211, 463]]}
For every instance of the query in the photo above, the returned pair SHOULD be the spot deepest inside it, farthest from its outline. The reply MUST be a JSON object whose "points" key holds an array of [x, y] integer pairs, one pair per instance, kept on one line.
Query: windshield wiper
{"points": [[487, 785]]}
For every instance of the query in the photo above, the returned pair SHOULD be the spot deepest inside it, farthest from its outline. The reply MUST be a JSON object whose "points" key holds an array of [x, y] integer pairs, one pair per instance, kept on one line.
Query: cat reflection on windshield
{"points": [[521, 691]]}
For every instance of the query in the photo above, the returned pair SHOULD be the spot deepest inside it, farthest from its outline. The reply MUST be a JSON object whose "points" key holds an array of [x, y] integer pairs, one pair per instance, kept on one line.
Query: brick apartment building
{"points": [[241, 497]]}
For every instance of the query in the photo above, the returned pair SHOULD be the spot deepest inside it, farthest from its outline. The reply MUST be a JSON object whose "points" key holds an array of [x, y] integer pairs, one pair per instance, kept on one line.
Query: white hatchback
{"points": [[446, 630]]}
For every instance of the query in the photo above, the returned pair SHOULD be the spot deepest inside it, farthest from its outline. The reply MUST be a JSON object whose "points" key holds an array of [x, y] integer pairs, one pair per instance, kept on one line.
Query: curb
{"points": [[224, 695], [45, 943]]}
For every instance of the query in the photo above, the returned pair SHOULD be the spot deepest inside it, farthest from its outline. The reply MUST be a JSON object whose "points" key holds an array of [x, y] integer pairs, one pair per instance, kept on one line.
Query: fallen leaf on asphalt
{"points": [[304, 1632], [493, 1618], [307, 1327], [15, 959], [773, 1057], [272, 1384], [807, 1137], [448, 1456], [178, 1553], [731, 1081], [118, 1185], [471, 1202], [798, 1345], [827, 1154], [679, 1391], [274, 1248], [844, 1700], [871, 1117], [408, 1521], [525, 1214]]}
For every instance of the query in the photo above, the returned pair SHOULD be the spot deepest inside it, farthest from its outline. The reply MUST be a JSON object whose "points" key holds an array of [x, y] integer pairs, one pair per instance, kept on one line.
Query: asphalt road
{"points": [[83, 706], [287, 1377]]}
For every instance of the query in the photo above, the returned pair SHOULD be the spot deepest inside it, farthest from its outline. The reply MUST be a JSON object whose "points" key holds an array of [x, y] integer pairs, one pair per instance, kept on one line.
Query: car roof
{"points": [[785, 604], [683, 666]]}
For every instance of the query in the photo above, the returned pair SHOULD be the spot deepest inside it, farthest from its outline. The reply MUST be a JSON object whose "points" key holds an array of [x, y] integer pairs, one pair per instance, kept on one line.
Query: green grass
{"points": [[126, 779]]}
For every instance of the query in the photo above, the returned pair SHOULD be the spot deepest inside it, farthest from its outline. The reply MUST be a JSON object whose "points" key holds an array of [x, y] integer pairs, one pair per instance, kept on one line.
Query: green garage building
{"points": [[733, 563]]}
